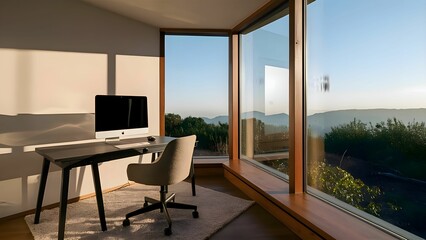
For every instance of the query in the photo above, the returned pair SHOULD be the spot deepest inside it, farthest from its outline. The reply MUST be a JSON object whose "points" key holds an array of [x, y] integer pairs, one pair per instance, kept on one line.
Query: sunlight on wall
{"points": [[138, 75], [5, 150], [43, 82]]}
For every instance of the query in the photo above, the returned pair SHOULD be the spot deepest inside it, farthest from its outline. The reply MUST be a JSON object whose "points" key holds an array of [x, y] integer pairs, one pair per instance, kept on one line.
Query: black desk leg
{"points": [[41, 188], [193, 178], [99, 199], [63, 202], [193, 184]]}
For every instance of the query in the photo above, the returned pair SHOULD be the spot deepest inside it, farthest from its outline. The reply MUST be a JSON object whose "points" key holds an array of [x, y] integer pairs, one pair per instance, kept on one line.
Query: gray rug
{"points": [[215, 209]]}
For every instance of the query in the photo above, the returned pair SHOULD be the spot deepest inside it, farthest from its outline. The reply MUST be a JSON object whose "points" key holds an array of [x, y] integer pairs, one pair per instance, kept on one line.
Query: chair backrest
{"points": [[176, 160], [173, 166]]}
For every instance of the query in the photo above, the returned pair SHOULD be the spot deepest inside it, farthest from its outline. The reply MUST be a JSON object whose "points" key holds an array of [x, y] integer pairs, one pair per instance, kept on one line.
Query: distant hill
{"points": [[275, 119], [322, 122], [280, 119], [216, 120]]}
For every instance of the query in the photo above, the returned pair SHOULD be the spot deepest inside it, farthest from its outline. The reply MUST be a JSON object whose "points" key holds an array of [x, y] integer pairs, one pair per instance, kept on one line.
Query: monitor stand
{"points": [[113, 140]]}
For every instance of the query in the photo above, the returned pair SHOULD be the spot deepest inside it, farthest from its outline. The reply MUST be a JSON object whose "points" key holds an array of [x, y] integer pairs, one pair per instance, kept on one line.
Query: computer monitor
{"points": [[120, 116]]}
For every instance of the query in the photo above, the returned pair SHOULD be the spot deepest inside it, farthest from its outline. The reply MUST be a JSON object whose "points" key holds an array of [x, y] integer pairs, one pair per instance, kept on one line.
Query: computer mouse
{"points": [[151, 138]]}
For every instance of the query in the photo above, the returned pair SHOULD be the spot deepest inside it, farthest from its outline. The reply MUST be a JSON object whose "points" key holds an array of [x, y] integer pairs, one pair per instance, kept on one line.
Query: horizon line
{"points": [[316, 112]]}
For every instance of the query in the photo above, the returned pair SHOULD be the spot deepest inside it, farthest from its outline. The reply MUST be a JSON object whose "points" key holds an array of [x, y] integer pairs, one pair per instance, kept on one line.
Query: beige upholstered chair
{"points": [[173, 166]]}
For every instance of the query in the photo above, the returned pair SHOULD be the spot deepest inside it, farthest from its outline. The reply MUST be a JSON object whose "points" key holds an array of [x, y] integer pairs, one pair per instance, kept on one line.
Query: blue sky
{"points": [[197, 75], [373, 51]]}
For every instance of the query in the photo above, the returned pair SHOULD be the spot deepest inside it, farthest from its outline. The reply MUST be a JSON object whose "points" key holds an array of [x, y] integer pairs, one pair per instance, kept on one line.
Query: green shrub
{"points": [[392, 144], [343, 186]]}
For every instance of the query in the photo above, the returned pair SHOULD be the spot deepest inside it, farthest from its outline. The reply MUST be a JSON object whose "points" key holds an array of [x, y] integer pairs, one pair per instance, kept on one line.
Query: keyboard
{"points": [[132, 145]]}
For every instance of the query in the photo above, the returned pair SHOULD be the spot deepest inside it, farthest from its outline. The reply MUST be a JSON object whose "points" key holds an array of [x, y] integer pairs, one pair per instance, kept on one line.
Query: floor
{"points": [[255, 223]]}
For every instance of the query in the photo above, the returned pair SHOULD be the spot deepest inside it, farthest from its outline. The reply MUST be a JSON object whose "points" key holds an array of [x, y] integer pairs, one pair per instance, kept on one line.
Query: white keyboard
{"points": [[132, 145]]}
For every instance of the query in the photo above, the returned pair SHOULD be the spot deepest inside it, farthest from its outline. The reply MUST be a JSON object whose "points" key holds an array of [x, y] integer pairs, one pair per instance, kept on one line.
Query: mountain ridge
{"points": [[322, 122]]}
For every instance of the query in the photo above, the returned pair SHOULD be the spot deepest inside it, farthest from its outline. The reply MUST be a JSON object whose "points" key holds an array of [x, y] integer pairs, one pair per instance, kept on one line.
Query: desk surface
{"points": [[74, 152]]}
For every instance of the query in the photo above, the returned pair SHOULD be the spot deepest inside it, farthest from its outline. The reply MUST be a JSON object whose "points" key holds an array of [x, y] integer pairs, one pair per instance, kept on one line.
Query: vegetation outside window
{"points": [[366, 109]]}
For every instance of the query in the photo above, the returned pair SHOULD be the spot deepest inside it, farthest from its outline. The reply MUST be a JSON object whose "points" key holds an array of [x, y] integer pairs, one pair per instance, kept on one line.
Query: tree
{"points": [[173, 125], [209, 136], [352, 138]]}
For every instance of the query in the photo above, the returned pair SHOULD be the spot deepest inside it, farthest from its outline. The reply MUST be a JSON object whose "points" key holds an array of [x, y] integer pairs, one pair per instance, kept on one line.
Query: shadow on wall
{"points": [[56, 26], [73, 26], [20, 165], [25, 130]]}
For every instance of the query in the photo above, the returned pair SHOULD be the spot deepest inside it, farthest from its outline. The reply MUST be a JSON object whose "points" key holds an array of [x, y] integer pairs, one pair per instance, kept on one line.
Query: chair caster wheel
{"points": [[168, 231], [195, 214], [126, 222]]}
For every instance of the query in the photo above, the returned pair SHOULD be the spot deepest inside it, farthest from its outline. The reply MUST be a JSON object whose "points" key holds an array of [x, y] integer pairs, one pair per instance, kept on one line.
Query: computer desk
{"points": [[68, 157]]}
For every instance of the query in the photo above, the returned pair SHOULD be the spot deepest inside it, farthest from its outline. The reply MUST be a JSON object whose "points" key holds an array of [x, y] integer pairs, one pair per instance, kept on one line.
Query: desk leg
{"points": [[193, 184], [63, 202], [41, 188], [193, 178], [99, 199]]}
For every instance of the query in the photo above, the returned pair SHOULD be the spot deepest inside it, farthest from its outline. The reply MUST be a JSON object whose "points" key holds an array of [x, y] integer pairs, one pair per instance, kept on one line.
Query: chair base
{"points": [[163, 204]]}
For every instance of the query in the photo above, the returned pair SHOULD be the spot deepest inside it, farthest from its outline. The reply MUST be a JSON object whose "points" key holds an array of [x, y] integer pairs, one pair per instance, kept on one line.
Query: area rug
{"points": [[215, 209]]}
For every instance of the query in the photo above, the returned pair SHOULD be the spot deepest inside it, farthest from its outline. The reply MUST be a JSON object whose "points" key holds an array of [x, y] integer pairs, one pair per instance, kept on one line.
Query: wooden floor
{"points": [[255, 223]]}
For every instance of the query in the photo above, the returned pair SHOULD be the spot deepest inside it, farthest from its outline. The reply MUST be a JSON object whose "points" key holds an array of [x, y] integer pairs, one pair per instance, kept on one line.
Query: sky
{"points": [[196, 75], [374, 53]]}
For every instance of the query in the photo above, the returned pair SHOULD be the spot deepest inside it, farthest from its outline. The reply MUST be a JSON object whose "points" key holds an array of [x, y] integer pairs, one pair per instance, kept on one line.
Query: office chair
{"points": [[191, 174], [171, 167]]}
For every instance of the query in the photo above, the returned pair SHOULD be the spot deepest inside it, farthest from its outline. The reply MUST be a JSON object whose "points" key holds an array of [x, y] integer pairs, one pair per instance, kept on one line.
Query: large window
{"points": [[264, 94], [366, 109], [197, 91]]}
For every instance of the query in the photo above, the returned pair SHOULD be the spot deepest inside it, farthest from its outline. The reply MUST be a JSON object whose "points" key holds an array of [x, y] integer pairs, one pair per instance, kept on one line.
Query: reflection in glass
{"points": [[264, 96]]}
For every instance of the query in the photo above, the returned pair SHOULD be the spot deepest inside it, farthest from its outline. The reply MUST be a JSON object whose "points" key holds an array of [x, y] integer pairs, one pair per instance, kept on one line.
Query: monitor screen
{"points": [[120, 116]]}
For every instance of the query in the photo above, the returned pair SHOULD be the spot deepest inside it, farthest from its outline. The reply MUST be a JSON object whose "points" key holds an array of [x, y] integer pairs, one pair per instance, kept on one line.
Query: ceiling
{"points": [[184, 14]]}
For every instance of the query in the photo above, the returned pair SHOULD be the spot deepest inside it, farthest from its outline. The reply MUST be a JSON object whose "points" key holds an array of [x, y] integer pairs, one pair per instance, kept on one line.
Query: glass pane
{"points": [[264, 95], [366, 107], [197, 91]]}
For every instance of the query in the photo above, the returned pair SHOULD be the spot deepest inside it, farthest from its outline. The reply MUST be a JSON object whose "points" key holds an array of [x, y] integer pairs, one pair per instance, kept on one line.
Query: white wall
{"points": [[55, 56]]}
